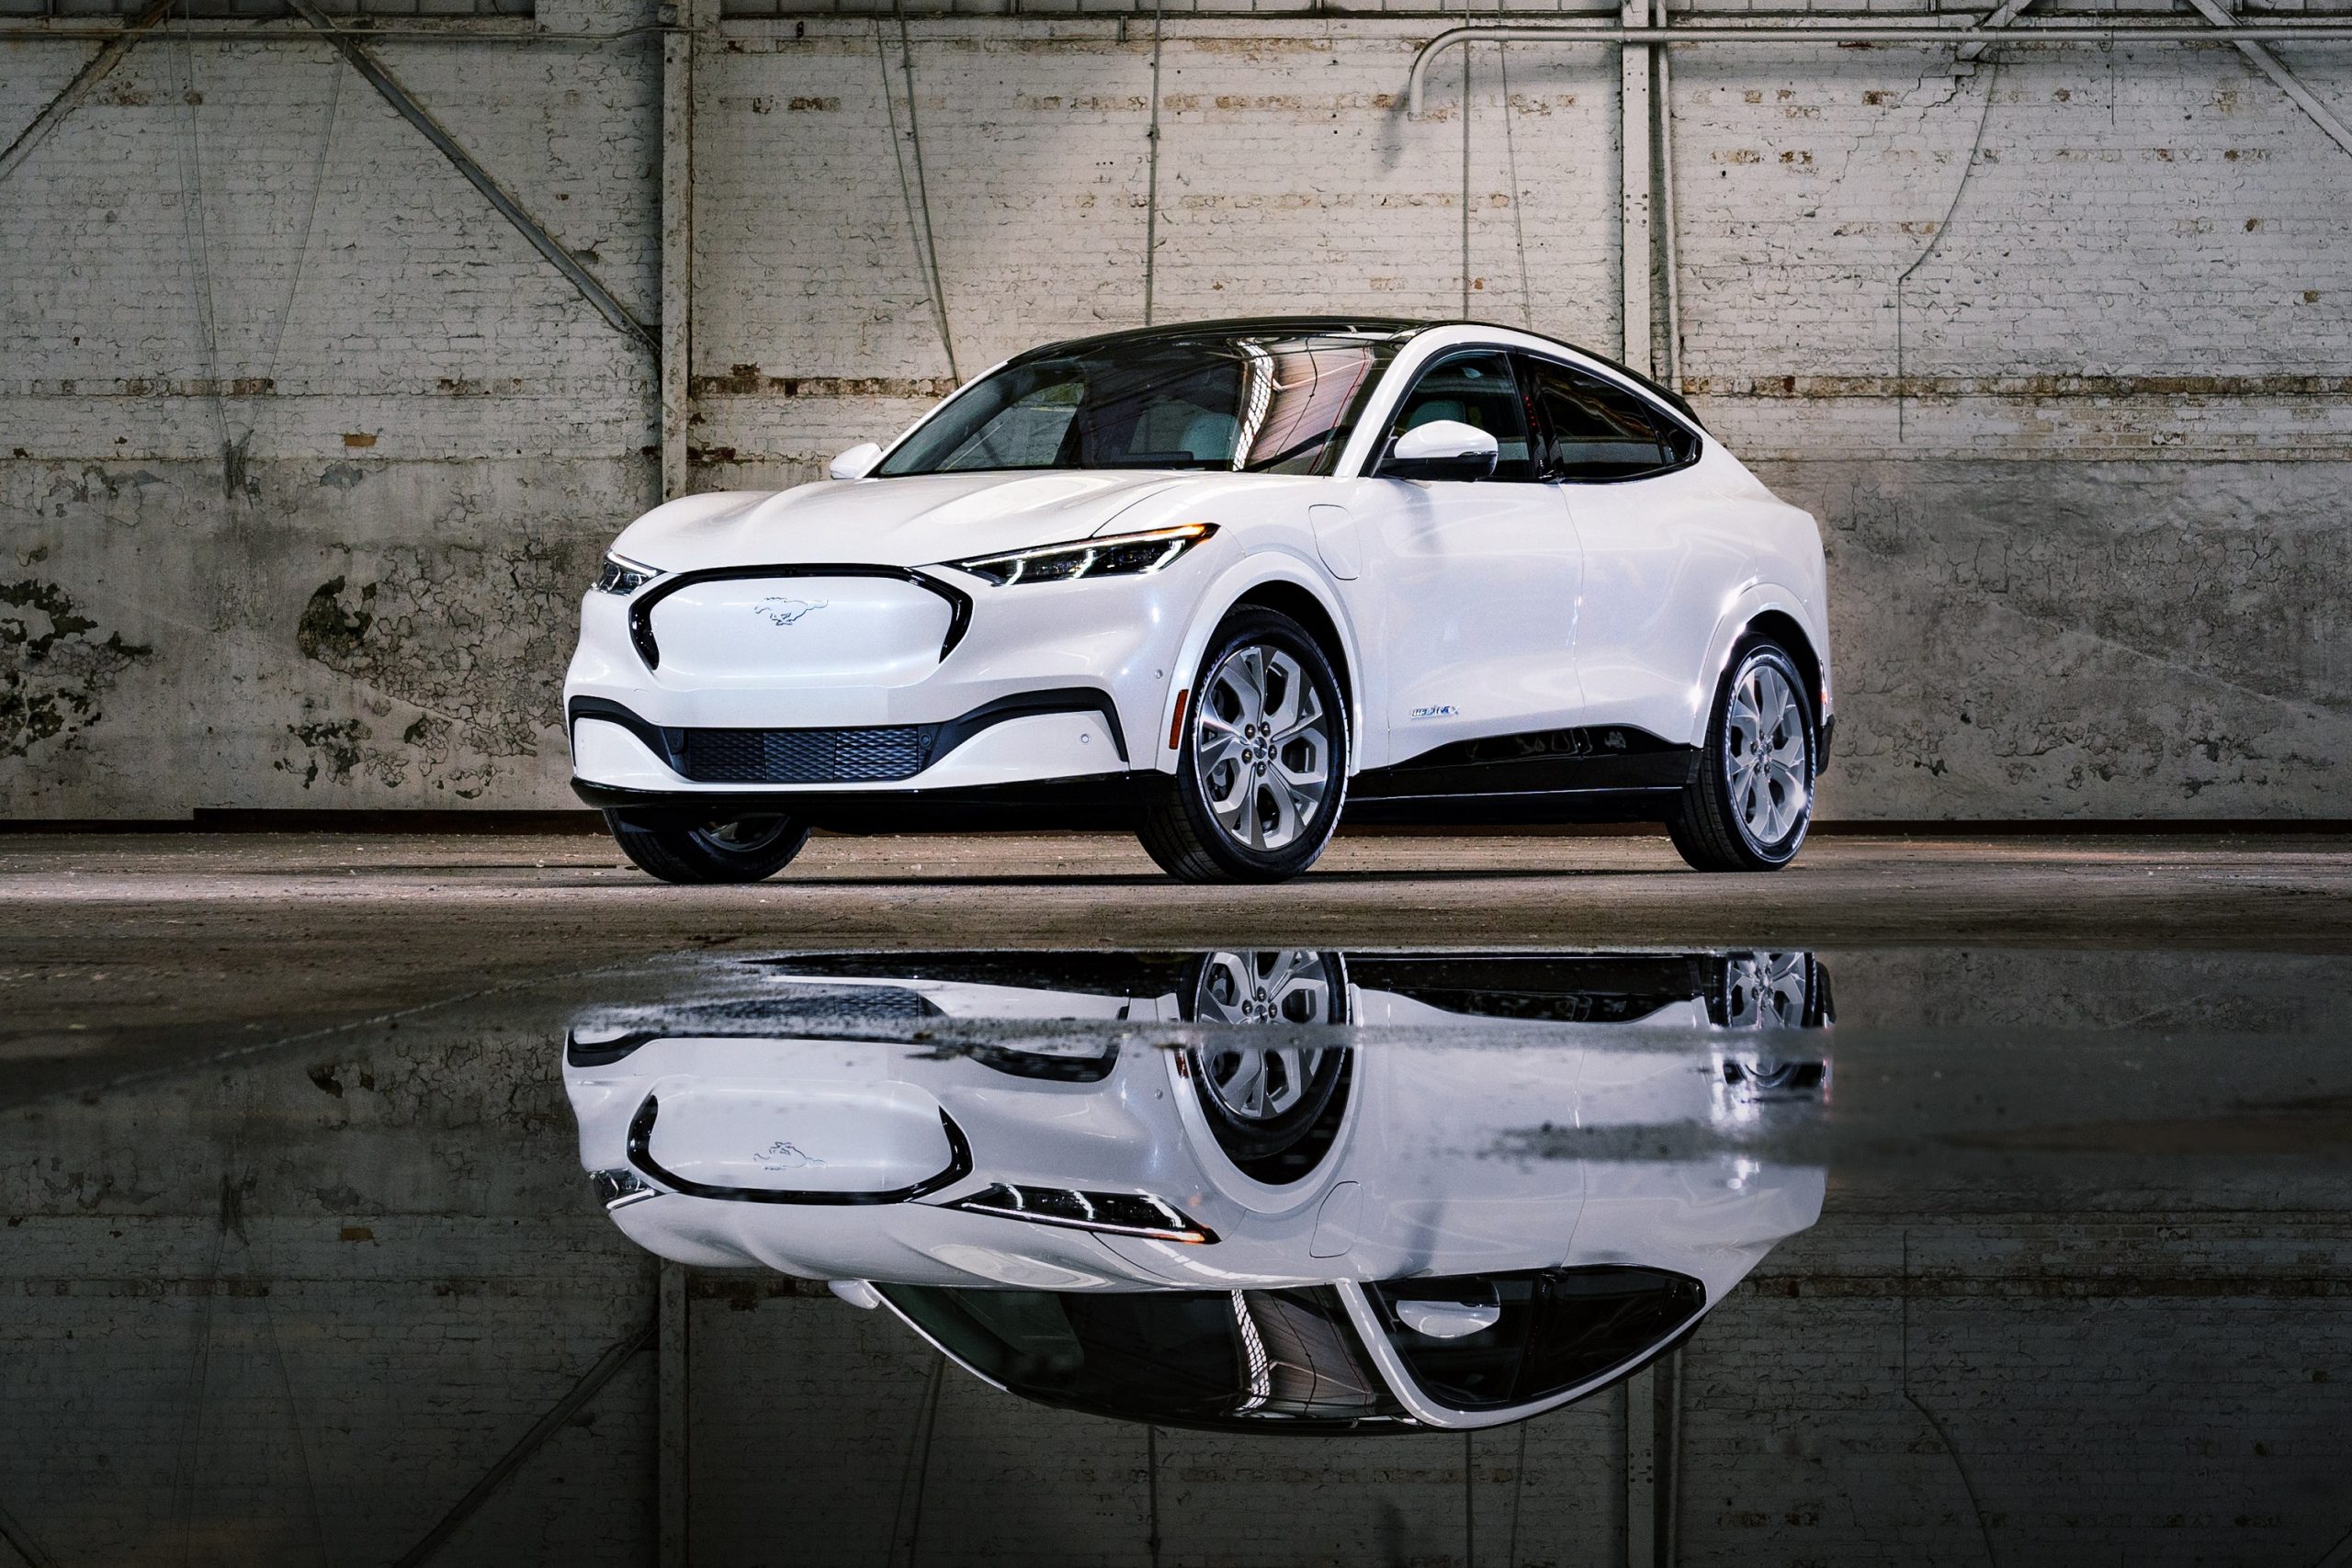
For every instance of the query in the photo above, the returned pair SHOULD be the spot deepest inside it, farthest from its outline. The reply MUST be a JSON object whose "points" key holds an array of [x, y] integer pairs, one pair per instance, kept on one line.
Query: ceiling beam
{"points": [[98, 68], [404, 103]]}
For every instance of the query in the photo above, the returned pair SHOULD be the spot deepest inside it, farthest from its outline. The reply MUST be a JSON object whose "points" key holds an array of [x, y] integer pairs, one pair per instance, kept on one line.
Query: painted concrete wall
{"points": [[305, 454]]}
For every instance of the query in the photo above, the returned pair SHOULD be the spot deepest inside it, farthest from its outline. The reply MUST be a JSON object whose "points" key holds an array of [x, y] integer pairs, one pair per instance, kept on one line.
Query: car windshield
{"points": [[1181, 1357], [1276, 402]]}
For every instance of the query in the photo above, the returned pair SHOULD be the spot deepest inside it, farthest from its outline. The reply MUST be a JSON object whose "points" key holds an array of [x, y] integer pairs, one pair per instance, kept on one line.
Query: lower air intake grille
{"points": [[805, 756]]}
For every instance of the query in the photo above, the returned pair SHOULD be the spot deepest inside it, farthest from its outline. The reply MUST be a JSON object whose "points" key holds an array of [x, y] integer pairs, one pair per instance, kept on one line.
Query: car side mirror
{"points": [[1449, 1320], [1441, 449], [855, 463]]}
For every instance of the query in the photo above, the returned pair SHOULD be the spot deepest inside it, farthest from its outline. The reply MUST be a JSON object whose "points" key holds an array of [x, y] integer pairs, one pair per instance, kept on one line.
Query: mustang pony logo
{"points": [[786, 612], [783, 1156]]}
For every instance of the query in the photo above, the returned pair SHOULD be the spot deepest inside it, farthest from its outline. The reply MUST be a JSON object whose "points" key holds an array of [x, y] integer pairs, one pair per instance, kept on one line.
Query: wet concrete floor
{"points": [[121, 951], [1475, 1201]]}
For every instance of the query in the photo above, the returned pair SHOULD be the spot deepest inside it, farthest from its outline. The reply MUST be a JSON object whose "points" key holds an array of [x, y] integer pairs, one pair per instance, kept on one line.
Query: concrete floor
{"points": [[119, 953]]}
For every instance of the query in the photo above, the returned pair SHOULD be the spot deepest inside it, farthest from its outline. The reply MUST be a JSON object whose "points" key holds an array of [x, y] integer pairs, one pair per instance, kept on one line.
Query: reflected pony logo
{"points": [[786, 612], [782, 1156]]}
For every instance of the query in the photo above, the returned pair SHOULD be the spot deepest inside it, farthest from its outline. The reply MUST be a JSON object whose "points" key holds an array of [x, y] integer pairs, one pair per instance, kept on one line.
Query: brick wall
{"points": [[304, 454]]}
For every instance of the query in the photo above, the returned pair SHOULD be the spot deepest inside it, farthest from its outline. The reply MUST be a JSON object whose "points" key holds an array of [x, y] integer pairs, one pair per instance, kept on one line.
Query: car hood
{"points": [[915, 521]]}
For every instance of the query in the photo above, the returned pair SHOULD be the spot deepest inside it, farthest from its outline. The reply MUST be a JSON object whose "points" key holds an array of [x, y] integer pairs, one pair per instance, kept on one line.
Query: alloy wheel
{"points": [[1262, 747], [1284, 986], [1766, 991], [1766, 763]]}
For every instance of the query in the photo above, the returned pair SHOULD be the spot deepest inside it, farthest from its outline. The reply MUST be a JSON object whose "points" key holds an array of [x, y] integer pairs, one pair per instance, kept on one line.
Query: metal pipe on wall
{"points": [[1669, 209], [1637, 249], [2339, 32], [677, 241], [209, 31]]}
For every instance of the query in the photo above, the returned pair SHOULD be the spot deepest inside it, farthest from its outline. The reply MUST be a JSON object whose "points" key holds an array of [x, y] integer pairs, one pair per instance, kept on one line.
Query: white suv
{"points": [[1269, 1225], [1219, 584]]}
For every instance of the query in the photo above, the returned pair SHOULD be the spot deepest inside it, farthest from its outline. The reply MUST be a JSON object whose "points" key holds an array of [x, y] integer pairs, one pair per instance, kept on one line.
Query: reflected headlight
{"points": [[622, 575], [1120, 555], [1120, 1213]]}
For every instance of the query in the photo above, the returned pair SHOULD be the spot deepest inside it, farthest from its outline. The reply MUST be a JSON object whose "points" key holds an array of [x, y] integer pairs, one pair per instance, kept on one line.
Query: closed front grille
{"points": [[805, 756]]}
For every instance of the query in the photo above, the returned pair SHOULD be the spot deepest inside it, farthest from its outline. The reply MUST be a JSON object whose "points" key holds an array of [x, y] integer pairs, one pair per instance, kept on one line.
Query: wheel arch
{"points": [[1785, 629], [1765, 611], [1276, 582], [1285, 598]]}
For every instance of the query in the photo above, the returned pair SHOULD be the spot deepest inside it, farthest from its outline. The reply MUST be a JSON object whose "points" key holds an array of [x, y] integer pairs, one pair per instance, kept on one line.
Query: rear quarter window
{"points": [[1593, 431]]}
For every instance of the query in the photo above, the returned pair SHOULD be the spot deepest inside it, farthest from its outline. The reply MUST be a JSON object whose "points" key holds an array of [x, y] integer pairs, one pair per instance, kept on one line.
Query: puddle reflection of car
{"points": [[1268, 1226]]}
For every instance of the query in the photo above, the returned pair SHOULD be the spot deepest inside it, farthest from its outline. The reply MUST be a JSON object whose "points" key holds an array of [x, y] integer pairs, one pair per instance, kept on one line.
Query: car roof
{"points": [[1236, 326], [1396, 327]]}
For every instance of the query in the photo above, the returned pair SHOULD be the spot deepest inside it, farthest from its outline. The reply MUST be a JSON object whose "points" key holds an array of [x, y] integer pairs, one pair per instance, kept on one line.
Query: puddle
{"points": [[1238, 1255]]}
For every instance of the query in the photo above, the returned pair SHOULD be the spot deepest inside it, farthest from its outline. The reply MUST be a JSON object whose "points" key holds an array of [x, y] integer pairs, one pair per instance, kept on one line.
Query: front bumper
{"points": [[1070, 733], [1036, 684]]}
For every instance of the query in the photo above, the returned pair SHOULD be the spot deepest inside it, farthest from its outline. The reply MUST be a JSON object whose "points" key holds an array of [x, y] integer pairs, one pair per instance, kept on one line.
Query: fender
{"points": [[1756, 598], [1276, 563]]}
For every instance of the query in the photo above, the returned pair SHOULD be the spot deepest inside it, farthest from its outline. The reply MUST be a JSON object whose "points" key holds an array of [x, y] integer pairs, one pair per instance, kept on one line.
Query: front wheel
{"points": [[678, 849], [1752, 801], [1274, 1109], [1263, 767]]}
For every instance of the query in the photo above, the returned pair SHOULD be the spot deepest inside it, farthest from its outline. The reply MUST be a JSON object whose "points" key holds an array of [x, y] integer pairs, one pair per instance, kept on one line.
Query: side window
{"points": [[1476, 389], [1595, 431]]}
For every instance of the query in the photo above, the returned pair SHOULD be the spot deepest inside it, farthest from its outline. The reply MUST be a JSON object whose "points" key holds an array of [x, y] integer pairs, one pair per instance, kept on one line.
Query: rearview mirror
{"points": [[1441, 449], [855, 463]]}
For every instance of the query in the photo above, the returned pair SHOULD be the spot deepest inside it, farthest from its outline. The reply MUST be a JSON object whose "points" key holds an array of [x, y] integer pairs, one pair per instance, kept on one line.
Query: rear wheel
{"points": [[1752, 802], [679, 849], [1263, 767]]}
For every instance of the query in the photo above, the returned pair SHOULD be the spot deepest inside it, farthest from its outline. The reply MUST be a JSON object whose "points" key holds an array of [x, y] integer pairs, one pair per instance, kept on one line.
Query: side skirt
{"points": [[1531, 808], [1609, 773]]}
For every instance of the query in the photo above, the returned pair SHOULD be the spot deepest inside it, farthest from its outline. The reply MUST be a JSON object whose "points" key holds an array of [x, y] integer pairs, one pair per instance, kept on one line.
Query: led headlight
{"points": [[1120, 1213], [622, 575], [1119, 555]]}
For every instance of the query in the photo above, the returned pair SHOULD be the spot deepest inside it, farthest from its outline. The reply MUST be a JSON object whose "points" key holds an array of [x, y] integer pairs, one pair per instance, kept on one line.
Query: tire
{"points": [[1249, 815], [1736, 817], [677, 849]]}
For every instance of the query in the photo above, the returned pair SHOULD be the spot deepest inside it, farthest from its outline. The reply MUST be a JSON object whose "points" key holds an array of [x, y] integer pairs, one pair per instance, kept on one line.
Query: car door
{"points": [[1472, 585], [1655, 572]]}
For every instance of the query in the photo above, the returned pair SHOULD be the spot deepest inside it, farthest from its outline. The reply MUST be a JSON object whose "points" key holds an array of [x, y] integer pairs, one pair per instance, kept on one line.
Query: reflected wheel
{"points": [[677, 849]]}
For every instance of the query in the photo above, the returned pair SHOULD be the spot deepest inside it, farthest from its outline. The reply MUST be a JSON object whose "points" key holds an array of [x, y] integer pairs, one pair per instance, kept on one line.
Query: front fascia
{"points": [[1120, 636]]}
